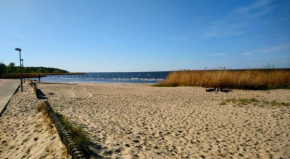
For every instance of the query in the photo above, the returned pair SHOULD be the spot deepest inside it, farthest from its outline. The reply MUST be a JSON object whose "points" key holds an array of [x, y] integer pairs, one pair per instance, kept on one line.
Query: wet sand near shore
{"points": [[24, 132], [141, 121]]}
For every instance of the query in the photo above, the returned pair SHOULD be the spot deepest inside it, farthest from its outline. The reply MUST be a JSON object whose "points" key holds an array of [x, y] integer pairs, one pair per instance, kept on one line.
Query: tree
{"points": [[27, 70], [11, 68], [2, 68], [40, 70], [57, 71]]}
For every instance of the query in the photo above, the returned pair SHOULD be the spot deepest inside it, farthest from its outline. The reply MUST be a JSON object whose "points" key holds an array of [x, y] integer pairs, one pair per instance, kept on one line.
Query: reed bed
{"points": [[239, 79]]}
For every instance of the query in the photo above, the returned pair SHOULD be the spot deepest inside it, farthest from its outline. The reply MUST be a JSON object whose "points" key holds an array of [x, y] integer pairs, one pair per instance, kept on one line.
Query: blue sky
{"points": [[145, 35]]}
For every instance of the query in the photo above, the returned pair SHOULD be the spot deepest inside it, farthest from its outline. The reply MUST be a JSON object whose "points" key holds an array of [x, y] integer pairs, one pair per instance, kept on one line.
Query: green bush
{"points": [[2, 69]]}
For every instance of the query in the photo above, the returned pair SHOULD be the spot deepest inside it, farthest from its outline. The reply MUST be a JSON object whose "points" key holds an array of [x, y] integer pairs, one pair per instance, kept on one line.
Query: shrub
{"points": [[2, 68]]}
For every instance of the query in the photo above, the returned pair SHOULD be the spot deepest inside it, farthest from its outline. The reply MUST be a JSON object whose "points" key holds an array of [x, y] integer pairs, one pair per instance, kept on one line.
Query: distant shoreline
{"points": [[35, 75]]}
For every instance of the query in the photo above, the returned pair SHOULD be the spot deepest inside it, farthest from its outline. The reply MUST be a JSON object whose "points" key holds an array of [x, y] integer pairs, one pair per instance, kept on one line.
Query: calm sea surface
{"points": [[110, 77]]}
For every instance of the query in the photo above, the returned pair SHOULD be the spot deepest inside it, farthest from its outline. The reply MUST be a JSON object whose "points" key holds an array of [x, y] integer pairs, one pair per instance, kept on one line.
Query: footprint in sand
{"points": [[25, 140]]}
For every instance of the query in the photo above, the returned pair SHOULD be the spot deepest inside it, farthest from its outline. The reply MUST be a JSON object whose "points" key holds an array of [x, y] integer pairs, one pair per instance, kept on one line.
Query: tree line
{"points": [[11, 68]]}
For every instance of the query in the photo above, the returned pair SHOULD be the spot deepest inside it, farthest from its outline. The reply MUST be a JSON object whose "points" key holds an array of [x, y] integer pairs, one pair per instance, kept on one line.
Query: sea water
{"points": [[110, 77]]}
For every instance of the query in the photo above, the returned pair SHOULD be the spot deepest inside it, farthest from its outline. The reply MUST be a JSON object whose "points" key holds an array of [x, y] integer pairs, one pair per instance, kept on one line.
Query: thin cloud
{"points": [[247, 53], [220, 54], [276, 48], [237, 22], [257, 9], [217, 54], [285, 38]]}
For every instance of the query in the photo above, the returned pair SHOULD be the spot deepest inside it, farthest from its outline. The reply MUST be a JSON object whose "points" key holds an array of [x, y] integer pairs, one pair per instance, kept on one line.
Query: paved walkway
{"points": [[7, 88]]}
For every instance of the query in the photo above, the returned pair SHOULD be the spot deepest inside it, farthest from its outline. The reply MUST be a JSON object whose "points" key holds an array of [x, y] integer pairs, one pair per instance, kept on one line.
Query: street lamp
{"points": [[18, 49], [23, 70]]}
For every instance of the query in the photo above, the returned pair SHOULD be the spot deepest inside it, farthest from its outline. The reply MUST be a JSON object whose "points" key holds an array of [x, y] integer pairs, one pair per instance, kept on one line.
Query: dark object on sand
{"points": [[218, 90], [211, 90], [225, 90]]}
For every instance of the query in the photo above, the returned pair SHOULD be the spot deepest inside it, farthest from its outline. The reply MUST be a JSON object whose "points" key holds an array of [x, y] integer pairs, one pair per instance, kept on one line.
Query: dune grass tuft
{"points": [[77, 133], [238, 79], [241, 101], [41, 107], [253, 101]]}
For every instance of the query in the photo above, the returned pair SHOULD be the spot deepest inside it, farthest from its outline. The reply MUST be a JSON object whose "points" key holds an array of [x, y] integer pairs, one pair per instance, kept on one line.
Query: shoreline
{"points": [[98, 82], [34, 75]]}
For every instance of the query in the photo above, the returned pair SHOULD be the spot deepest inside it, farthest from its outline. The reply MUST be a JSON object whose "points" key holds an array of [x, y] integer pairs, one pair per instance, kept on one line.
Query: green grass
{"points": [[42, 108], [77, 133], [253, 101]]}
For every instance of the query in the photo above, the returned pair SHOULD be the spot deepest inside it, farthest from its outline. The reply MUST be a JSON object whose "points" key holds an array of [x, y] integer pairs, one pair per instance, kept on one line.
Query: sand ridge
{"points": [[140, 121], [24, 133]]}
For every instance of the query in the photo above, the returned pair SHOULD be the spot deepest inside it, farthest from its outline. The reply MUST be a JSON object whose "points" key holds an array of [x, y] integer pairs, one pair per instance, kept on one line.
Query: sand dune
{"points": [[140, 121], [24, 132]]}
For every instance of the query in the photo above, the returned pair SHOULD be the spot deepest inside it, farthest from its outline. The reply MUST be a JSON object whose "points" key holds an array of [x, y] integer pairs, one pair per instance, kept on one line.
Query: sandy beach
{"points": [[141, 121], [25, 133], [139, 79]]}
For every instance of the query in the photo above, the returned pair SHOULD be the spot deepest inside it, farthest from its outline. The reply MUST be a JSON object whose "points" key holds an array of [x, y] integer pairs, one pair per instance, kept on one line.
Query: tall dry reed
{"points": [[241, 79]]}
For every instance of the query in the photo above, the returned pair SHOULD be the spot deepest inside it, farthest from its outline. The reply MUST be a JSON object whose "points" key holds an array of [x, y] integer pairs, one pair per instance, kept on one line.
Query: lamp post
{"points": [[23, 70], [18, 49]]}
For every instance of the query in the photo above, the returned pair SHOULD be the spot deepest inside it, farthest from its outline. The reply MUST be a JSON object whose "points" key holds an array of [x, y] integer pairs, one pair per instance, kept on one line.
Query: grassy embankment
{"points": [[41, 109], [77, 133], [238, 79]]}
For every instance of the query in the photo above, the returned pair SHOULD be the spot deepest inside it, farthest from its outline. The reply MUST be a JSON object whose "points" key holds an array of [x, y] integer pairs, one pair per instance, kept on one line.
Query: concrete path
{"points": [[7, 88]]}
